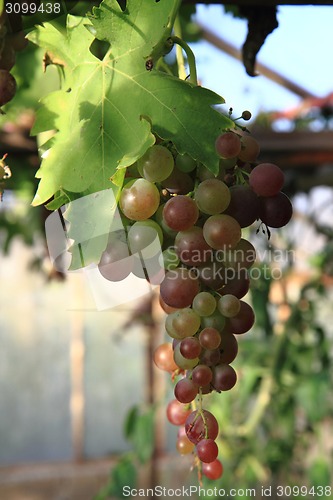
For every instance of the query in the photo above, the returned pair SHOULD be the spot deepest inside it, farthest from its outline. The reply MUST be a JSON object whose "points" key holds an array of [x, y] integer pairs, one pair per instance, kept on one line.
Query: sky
{"points": [[300, 48]]}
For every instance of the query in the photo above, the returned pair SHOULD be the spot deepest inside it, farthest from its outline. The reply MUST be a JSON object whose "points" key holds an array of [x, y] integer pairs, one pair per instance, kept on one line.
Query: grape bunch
{"points": [[171, 202]]}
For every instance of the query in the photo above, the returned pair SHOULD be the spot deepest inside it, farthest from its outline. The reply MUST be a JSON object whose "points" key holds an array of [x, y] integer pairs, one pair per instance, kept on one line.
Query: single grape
{"points": [[229, 305], [156, 164], [184, 445], [238, 284], [202, 375], [201, 425], [185, 163], [116, 263], [221, 231], [209, 338], [180, 213], [163, 357], [181, 361], [7, 87], [185, 322], [215, 320], [212, 470], [212, 196], [228, 145], [210, 357], [158, 216], [190, 347], [179, 288], [207, 450], [266, 179], [250, 149], [177, 412], [228, 348], [244, 205], [246, 115], [185, 392], [276, 211], [139, 199], [204, 304], [242, 322], [145, 235], [224, 377], [191, 247]]}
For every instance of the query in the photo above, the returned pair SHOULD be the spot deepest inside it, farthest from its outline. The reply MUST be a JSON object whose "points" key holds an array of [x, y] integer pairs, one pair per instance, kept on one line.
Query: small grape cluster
{"points": [[12, 40], [197, 219]]}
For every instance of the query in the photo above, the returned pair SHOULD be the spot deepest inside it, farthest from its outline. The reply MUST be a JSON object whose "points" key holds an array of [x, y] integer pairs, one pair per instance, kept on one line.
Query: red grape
{"points": [[177, 412], [191, 247], [276, 211], [207, 450], [163, 357], [179, 288], [266, 179], [242, 322], [185, 391], [228, 145], [202, 375], [201, 425], [213, 470], [180, 213], [224, 377]]}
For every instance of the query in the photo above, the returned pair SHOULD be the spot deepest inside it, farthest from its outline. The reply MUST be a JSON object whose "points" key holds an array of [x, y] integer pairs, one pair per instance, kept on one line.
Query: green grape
{"points": [[229, 305], [145, 235], [204, 304], [156, 164], [212, 196], [185, 163], [170, 259], [185, 322], [215, 320], [183, 363]]}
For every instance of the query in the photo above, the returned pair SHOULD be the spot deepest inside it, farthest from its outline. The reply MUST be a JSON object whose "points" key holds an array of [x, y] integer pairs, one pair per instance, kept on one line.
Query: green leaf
{"points": [[107, 108], [123, 474], [320, 473], [140, 429], [130, 421]]}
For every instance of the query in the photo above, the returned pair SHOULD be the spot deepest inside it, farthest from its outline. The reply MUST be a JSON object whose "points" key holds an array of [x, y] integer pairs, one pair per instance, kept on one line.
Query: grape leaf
{"points": [[106, 110]]}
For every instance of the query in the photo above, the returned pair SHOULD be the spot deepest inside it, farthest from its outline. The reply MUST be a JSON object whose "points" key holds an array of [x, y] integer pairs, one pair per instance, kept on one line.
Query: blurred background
{"points": [[82, 408]]}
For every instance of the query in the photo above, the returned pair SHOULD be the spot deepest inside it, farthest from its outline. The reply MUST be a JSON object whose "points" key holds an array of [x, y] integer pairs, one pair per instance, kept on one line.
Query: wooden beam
{"points": [[276, 77]]}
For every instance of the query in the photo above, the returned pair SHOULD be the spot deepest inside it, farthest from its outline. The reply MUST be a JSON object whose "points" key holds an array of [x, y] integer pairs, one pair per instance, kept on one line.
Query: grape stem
{"points": [[190, 59]]}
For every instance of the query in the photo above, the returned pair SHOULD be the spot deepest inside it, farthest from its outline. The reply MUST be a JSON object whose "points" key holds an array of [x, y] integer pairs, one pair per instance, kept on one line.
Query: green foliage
{"points": [[139, 430], [100, 129], [107, 109], [123, 474]]}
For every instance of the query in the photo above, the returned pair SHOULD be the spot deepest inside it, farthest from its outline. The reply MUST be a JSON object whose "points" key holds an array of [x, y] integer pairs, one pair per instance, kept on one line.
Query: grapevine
{"points": [[186, 180]]}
